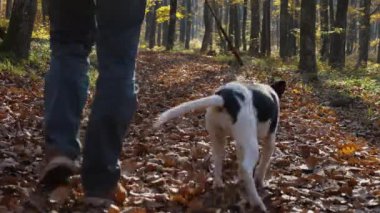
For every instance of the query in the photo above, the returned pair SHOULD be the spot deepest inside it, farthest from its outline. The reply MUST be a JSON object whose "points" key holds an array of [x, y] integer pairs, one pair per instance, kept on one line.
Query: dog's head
{"points": [[279, 87]]}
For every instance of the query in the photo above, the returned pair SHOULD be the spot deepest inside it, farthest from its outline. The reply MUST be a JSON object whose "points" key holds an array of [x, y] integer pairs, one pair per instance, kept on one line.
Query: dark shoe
{"points": [[96, 204], [57, 172], [117, 196]]}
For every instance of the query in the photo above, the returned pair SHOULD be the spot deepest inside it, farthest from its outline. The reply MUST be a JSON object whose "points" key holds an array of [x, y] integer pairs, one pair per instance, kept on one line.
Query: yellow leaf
{"points": [[348, 149]]}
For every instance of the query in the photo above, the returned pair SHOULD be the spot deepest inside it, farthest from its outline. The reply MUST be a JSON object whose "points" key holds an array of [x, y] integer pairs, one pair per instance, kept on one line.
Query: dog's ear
{"points": [[279, 87]]}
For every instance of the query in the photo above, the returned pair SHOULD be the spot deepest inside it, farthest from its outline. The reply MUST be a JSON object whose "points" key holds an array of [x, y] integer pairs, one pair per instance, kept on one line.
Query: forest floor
{"points": [[327, 156]]}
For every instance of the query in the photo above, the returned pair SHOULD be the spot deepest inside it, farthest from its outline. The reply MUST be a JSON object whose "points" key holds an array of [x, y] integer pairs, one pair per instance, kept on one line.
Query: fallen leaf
{"points": [[113, 209], [60, 194], [120, 194]]}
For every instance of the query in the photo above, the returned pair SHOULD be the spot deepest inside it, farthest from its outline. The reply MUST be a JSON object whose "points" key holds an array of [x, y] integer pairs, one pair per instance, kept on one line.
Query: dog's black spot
{"points": [[267, 108], [274, 118], [231, 103]]}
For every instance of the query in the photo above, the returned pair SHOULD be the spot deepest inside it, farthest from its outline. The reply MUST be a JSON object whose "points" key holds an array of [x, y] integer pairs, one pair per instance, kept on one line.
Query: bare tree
{"points": [[308, 63], [19, 35], [153, 25], [364, 32], [237, 28], [188, 23], [208, 21], [234, 25], [338, 40], [172, 23], [294, 25], [8, 9], [325, 38], [182, 25], [378, 45], [265, 29], [352, 28], [284, 29], [254, 46], [44, 5], [244, 27]]}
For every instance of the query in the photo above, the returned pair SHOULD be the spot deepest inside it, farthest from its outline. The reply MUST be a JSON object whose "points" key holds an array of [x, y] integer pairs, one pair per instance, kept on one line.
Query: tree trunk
{"points": [[364, 33], [331, 14], [244, 27], [308, 63], [378, 52], [284, 29], [293, 28], [352, 29], [172, 22], [182, 26], [182, 30], [148, 21], [265, 30], [332, 21], [378, 45], [338, 40], [159, 35], [237, 31], [208, 21], [20, 28], [8, 9], [165, 30], [325, 41], [226, 17], [194, 19], [231, 21], [254, 46], [219, 16], [188, 24], [44, 5], [153, 26]]}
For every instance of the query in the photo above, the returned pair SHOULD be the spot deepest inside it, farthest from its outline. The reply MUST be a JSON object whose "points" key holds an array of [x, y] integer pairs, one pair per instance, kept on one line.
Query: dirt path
{"points": [[318, 163]]}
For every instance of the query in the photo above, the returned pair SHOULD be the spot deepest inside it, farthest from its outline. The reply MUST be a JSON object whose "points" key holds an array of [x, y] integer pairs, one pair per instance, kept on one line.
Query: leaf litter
{"points": [[319, 164]]}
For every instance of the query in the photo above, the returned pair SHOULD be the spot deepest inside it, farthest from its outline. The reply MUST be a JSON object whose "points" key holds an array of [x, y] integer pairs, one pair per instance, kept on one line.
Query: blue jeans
{"points": [[114, 26]]}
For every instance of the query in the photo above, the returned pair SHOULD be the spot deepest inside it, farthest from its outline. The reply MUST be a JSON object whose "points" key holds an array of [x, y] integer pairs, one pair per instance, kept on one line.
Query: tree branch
{"points": [[377, 9]]}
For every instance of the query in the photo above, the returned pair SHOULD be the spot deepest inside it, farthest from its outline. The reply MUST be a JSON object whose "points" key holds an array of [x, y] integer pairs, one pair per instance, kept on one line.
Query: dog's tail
{"points": [[202, 103]]}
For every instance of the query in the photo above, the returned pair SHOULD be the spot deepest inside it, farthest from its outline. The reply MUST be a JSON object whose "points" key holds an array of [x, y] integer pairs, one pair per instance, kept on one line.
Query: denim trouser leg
{"points": [[66, 82], [65, 95], [115, 101], [117, 35]]}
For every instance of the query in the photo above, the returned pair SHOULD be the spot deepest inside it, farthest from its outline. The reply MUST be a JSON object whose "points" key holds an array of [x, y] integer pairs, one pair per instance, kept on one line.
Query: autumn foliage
{"points": [[324, 160]]}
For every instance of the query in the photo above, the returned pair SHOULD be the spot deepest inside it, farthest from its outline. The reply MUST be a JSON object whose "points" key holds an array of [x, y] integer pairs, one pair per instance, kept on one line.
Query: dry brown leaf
{"points": [[179, 199], [60, 194], [113, 209], [120, 194]]}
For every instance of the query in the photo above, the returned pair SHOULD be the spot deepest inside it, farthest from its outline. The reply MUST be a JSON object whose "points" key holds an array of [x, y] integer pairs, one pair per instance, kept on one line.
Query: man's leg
{"points": [[119, 24], [66, 83]]}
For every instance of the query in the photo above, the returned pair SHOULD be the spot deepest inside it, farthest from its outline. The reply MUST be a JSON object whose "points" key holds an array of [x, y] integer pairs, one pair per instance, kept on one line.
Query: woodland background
{"points": [[327, 153]]}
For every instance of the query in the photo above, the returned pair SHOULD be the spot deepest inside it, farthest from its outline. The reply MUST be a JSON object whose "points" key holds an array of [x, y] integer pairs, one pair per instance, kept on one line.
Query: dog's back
{"points": [[258, 100]]}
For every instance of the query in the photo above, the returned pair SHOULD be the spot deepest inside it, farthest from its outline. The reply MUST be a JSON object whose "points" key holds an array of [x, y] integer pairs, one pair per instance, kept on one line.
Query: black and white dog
{"points": [[248, 113]]}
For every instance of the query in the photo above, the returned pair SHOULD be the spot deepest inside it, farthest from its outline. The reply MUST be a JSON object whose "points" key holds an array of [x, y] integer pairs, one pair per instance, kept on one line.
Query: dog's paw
{"points": [[259, 207], [218, 184], [259, 182]]}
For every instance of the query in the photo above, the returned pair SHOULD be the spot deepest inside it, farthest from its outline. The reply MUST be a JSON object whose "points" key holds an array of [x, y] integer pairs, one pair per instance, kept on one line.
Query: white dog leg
{"points": [[218, 139], [246, 141], [267, 151], [218, 153]]}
